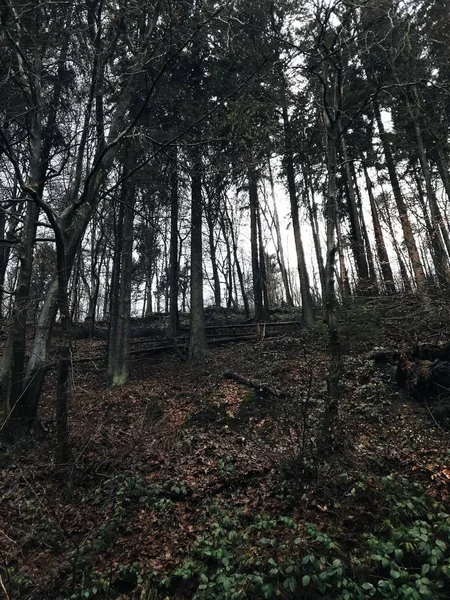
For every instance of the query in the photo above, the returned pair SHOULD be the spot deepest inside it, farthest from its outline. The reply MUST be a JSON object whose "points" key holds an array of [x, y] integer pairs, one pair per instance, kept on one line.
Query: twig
{"points": [[3, 587]]}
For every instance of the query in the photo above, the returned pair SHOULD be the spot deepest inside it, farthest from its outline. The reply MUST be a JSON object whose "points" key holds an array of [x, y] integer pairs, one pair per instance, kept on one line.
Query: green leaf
{"points": [[367, 586], [305, 580]]}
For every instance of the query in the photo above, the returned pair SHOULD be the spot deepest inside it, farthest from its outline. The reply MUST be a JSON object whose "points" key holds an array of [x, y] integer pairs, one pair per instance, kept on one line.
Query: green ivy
{"points": [[239, 555]]}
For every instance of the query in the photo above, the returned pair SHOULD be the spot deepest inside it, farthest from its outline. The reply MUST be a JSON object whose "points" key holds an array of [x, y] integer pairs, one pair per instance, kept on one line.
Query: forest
{"points": [[224, 299]]}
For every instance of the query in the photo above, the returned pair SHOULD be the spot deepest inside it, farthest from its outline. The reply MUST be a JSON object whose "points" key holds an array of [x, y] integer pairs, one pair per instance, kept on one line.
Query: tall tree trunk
{"points": [[13, 362], [312, 211], [210, 219], [229, 279], [383, 257], [256, 268], [119, 326], [357, 238], [198, 346], [237, 265], [262, 263], [440, 236], [403, 271], [12, 366], [344, 281], [443, 168], [365, 235], [401, 207], [307, 304], [433, 243], [279, 241], [329, 421]]}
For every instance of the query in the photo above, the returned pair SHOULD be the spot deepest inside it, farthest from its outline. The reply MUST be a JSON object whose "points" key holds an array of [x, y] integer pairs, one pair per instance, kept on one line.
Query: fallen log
{"points": [[258, 387]]}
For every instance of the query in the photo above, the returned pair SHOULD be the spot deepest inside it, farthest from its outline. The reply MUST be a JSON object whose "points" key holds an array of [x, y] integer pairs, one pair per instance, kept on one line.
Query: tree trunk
{"points": [[357, 239], [198, 346], [210, 219], [440, 236], [442, 165], [119, 326], [401, 207], [256, 268], [174, 265], [278, 241], [312, 210], [13, 363], [403, 271], [370, 260], [238, 266], [229, 279], [432, 242], [331, 410], [307, 304], [262, 263], [383, 258]]}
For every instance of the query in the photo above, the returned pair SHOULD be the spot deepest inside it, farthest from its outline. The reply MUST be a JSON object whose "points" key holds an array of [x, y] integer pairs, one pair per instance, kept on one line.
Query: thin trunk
{"points": [[65, 353], [256, 268], [107, 289], [440, 236], [262, 263], [229, 274], [174, 265], [312, 211], [331, 410], [279, 241], [307, 304], [365, 235], [443, 168], [344, 281], [238, 266], [212, 252], [401, 207], [357, 240], [432, 242], [198, 345], [403, 271], [383, 257], [119, 328]]}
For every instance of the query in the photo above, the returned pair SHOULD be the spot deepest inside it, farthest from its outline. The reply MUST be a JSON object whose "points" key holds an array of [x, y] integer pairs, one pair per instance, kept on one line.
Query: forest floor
{"points": [[186, 483]]}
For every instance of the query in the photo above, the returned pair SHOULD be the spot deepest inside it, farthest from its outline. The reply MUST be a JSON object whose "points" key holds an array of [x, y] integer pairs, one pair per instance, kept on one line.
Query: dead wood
{"points": [[259, 387]]}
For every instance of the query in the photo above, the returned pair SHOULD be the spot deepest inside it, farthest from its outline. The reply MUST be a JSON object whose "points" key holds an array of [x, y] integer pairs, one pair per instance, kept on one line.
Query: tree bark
{"points": [[358, 243], [210, 219], [256, 268], [383, 258], [312, 211], [373, 282], [198, 346], [401, 207], [237, 265], [119, 326], [279, 242], [307, 304], [440, 236]]}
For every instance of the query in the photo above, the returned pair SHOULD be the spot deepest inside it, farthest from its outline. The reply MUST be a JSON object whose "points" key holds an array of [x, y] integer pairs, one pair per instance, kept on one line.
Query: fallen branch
{"points": [[262, 389]]}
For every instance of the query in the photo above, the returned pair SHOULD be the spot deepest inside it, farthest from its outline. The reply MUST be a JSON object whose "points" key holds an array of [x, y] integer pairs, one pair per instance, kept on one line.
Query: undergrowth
{"points": [[239, 555]]}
